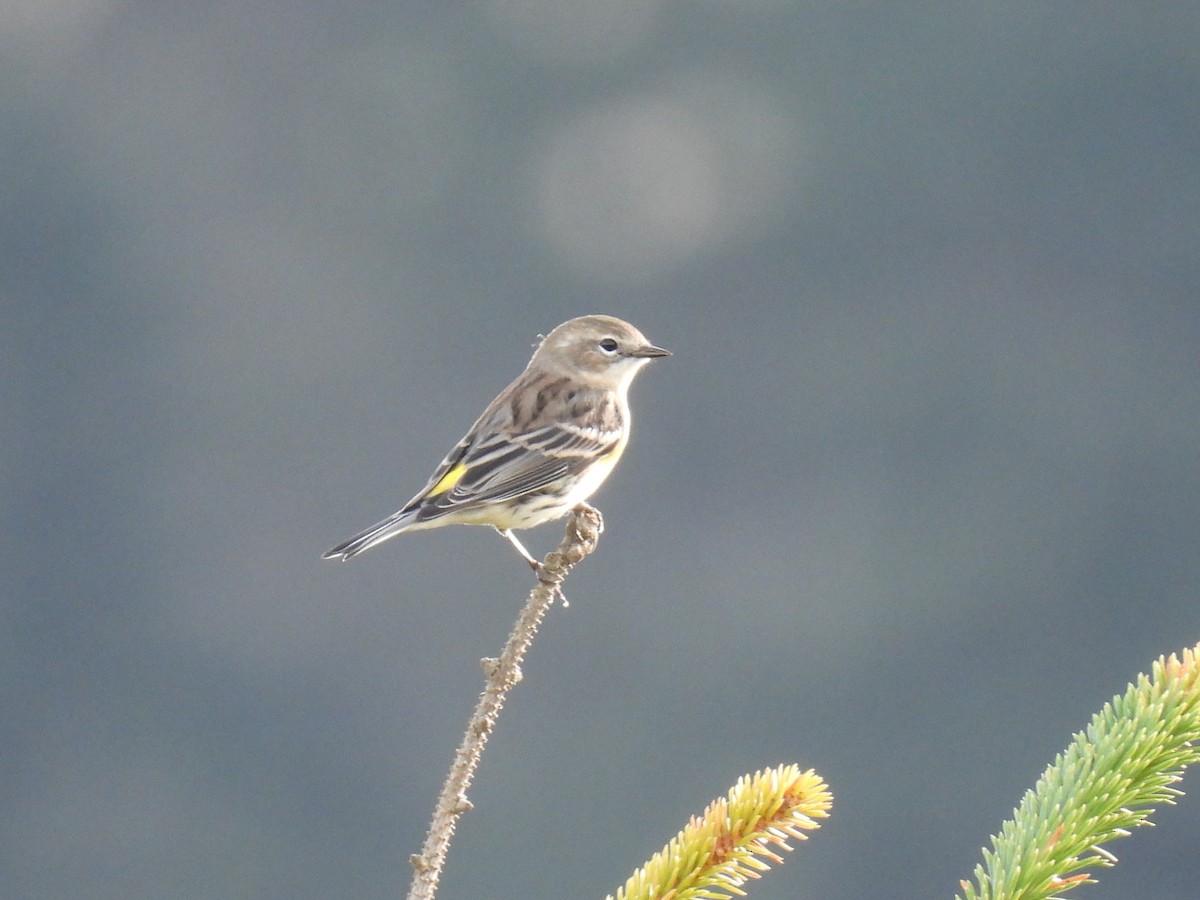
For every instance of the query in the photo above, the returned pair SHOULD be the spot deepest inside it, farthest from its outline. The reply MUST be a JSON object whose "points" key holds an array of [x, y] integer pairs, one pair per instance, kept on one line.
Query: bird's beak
{"points": [[649, 352]]}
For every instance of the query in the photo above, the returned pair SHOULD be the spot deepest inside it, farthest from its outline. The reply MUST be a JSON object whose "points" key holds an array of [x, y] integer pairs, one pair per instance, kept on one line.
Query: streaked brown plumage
{"points": [[544, 445]]}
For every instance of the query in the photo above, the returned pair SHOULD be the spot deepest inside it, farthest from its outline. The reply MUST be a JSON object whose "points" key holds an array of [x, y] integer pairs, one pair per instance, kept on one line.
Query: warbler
{"points": [[543, 446]]}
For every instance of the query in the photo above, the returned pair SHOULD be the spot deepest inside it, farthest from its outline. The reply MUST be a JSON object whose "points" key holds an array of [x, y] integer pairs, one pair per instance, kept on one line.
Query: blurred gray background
{"points": [[918, 492]]}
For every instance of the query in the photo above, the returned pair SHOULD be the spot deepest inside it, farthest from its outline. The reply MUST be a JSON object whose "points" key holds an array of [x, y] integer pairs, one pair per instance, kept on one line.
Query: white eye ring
{"points": [[609, 347]]}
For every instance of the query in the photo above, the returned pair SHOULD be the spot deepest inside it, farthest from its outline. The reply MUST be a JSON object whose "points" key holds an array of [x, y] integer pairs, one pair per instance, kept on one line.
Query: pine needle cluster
{"points": [[736, 838], [1104, 784]]}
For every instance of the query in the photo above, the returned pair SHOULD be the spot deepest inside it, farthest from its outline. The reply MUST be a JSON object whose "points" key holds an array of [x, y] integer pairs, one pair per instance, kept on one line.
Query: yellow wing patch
{"points": [[447, 481]]}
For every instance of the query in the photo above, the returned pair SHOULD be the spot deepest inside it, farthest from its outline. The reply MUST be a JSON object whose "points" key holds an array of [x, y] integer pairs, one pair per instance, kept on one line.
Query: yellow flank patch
{"points": [[449, 480], [615, 453]]}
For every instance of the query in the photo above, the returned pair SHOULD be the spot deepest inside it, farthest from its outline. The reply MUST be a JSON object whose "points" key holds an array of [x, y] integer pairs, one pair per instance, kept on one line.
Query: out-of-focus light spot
{"points": [[629, 190], [569, 31], [641, 186]]}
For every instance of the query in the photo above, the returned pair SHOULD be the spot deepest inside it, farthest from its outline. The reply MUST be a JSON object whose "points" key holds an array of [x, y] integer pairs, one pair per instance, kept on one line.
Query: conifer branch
{"points": [[501, 675], [736, 838], [1104, 784]]}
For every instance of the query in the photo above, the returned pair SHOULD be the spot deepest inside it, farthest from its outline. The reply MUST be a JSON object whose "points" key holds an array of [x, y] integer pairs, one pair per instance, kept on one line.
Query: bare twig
{"points": [[502, 674]]}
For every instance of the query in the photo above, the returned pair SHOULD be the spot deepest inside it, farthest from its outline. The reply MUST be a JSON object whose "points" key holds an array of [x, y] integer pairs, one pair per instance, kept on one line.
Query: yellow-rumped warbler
{"points": [[540, 448]]}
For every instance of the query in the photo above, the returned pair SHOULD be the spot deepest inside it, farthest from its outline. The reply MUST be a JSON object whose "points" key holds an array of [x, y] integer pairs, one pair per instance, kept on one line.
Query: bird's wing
{"points": [[509, 466]]}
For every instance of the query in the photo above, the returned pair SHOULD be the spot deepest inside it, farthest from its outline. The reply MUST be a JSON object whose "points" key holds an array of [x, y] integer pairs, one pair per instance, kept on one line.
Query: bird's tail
{"points": [[376, 534]]}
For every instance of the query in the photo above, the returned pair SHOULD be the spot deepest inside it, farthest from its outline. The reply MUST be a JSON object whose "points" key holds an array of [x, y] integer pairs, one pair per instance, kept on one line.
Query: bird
{"points": [[541, 448]]}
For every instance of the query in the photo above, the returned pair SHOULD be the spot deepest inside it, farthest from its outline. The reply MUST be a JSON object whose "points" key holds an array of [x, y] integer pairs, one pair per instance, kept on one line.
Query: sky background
{"points": [[917, 493]]}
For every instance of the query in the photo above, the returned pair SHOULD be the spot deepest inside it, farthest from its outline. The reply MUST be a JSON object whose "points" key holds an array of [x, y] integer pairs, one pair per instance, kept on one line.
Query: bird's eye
{"points": [[608, 346]]}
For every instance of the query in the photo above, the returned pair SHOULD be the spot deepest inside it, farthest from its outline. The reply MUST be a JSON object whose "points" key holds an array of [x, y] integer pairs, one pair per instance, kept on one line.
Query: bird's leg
{"points": [[525, 554], [528, 557]]}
